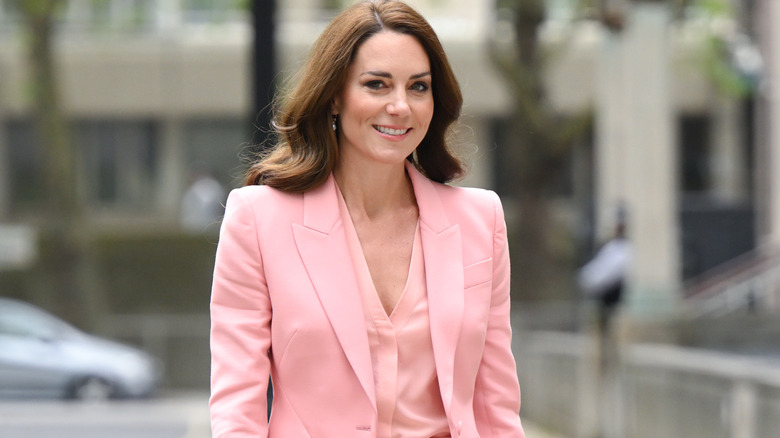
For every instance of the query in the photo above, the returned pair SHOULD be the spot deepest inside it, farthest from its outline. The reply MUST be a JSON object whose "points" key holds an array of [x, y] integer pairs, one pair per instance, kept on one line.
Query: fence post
{"points": [[742, 410]]}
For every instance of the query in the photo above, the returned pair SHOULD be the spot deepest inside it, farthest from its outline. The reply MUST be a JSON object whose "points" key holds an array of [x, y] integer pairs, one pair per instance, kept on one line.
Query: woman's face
{"points": [[386, 104]]}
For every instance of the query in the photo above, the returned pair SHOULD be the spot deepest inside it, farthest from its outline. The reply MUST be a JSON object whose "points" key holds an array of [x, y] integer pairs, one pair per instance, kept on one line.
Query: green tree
{"points": [[541, 140], [67, 281]]}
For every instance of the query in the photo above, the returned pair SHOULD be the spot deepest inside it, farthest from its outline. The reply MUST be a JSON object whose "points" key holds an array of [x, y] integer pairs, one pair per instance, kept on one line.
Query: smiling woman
{"points": [[375, 296], [306, 151], [386, 104]]}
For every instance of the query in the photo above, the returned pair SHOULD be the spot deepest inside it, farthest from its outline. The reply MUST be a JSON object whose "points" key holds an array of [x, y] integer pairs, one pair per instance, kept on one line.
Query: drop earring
{"points": [[333, 122]]}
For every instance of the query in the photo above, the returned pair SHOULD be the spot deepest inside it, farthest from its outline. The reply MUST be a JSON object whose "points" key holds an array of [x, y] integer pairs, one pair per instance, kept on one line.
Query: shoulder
{"points": [[452, 198], [469, 199], [258, 200], [259, 194], [479, 216]]}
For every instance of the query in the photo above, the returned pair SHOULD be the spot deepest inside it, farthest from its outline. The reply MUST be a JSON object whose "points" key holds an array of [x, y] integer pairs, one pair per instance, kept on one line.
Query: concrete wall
{"points": [[649, 391]]}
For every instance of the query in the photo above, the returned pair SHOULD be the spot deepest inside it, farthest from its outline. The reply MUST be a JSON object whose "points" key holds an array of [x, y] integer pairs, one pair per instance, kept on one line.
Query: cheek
{"points": [[426, 112], [360, 109]]}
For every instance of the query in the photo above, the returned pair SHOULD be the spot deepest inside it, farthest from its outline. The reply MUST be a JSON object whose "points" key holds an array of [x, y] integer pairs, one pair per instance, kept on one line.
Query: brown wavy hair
{"points": [[305, 148]]}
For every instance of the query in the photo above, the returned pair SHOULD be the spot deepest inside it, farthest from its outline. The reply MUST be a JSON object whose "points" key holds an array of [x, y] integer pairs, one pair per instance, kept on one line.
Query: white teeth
{"points": [[390, 131]]}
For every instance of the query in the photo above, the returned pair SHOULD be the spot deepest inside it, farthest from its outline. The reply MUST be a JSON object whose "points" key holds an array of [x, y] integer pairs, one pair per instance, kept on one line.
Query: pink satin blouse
{"points": [[408, 398]]}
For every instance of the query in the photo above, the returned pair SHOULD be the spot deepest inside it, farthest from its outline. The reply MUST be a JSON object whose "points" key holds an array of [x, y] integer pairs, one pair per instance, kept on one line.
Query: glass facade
{"points": [[216, 146], [120, 161]]}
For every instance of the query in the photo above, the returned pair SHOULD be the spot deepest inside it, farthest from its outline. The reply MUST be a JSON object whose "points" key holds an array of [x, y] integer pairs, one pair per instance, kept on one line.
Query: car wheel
{"points": [[92, 389]]}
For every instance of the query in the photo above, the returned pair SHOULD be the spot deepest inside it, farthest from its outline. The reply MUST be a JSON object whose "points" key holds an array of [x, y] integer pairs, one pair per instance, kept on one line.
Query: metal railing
{"points": [[747, 284], [180, 341]]}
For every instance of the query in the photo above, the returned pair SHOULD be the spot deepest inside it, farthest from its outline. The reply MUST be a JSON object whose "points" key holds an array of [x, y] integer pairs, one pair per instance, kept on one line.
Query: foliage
{"points": [[537, 151], [715, 7], [721, 73], [66, 270], [719, 48], [38, 8]]}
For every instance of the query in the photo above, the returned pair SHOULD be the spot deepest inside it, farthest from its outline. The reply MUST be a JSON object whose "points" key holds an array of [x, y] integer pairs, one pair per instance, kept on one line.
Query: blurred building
{"points": [[153, 86]]}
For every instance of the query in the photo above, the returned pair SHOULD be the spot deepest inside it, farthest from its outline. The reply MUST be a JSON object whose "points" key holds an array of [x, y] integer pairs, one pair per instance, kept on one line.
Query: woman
{"points": [[375, 296]]}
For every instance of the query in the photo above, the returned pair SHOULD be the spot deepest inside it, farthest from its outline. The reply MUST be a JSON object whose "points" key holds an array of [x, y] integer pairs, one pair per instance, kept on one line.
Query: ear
{"points": [[334, 106]]}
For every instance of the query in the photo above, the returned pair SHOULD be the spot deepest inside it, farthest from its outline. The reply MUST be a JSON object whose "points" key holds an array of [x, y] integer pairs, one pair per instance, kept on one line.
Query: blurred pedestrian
{"points": [[202, 202], [374, 295], [603, 278]]}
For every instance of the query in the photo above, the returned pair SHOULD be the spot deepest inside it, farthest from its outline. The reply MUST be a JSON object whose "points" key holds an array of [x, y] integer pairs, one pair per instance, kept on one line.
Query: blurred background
{"points": [[124, 123]]}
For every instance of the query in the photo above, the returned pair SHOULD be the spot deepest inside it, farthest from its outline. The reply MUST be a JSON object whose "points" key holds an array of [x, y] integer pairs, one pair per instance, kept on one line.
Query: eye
{"points": [[374, 84], [420, 87]]}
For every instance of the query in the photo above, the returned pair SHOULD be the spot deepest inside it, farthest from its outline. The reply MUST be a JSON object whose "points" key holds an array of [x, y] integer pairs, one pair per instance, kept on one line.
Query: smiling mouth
{"points": [[390, 131]]}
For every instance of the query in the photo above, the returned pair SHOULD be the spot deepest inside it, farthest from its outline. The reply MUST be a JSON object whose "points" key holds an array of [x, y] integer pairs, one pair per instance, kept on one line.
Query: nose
{"points": [[398, 105]]}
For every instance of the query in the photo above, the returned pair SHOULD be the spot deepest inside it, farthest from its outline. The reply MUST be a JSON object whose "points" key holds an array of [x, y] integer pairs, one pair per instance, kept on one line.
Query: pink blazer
{"points": [[285, 303]]}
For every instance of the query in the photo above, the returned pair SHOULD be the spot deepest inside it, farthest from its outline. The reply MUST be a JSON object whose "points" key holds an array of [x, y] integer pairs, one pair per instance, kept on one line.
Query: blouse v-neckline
{"points": [[403, 306]]}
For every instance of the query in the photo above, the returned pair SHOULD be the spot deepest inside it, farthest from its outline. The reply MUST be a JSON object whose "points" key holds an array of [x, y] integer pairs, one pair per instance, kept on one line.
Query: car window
{"points": [[29, 323]]}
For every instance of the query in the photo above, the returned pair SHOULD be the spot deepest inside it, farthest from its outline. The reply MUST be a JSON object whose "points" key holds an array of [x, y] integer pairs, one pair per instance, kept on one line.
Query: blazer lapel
{"points": [[322, 233], [322, 245], [443, 254]]}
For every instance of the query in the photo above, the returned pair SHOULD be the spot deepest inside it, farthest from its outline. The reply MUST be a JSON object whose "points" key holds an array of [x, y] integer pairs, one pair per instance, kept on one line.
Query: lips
{"points": [[390, 131]]}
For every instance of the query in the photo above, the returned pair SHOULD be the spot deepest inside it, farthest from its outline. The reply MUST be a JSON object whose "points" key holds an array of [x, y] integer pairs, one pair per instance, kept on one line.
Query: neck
{"points": [[372, 191]]}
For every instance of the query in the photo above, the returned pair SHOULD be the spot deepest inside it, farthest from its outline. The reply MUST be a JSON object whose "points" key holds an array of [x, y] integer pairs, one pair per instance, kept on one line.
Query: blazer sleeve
{"points": [[240, 327], [497, 391]]}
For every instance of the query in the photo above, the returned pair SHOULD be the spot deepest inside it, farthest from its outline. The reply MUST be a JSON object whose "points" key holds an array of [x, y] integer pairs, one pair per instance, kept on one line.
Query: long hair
{"points": [[306, 147]]}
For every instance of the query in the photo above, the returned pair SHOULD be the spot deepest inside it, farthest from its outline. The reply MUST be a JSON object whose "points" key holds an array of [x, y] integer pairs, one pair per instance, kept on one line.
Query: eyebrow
{"points": [[387, 75]]}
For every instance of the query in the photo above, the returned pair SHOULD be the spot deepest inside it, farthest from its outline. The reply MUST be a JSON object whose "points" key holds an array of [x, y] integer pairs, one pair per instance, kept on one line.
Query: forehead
{"points": [[391, 50]]}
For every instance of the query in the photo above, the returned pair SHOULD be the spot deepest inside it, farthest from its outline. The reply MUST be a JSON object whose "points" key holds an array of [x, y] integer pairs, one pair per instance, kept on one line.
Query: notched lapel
{"points": [[443, 252], [323, 249], [444, 279]]}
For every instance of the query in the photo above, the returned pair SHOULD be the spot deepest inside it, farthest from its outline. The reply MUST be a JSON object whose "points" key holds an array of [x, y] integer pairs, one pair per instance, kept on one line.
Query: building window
{"points": [[111, 15], [214, 11], [26, 168], [216, 146], [119, 159], [332, 5], [564, 173], [116, 163], [694, 152]]}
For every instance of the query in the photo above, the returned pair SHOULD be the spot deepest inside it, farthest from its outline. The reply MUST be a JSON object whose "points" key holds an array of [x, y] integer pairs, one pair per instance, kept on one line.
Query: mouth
{"points": [[390, 131]]}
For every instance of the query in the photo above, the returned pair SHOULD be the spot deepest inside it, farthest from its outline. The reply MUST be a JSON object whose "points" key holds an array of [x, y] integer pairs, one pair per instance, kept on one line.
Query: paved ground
{"points": [[172, 415], [181, 415], [534, 431]]}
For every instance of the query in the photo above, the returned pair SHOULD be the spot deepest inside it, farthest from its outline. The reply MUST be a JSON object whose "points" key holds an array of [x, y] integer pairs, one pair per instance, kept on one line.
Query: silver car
{"points": [[42, 356]]}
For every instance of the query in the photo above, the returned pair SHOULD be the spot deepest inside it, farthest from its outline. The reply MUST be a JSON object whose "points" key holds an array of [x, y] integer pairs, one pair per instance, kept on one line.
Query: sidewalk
{"points": [[192, 406], [534, 431]]}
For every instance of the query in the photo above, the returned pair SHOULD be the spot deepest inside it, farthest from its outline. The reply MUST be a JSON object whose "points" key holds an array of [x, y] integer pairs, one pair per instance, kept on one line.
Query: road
{"points": [[181, 415]]}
